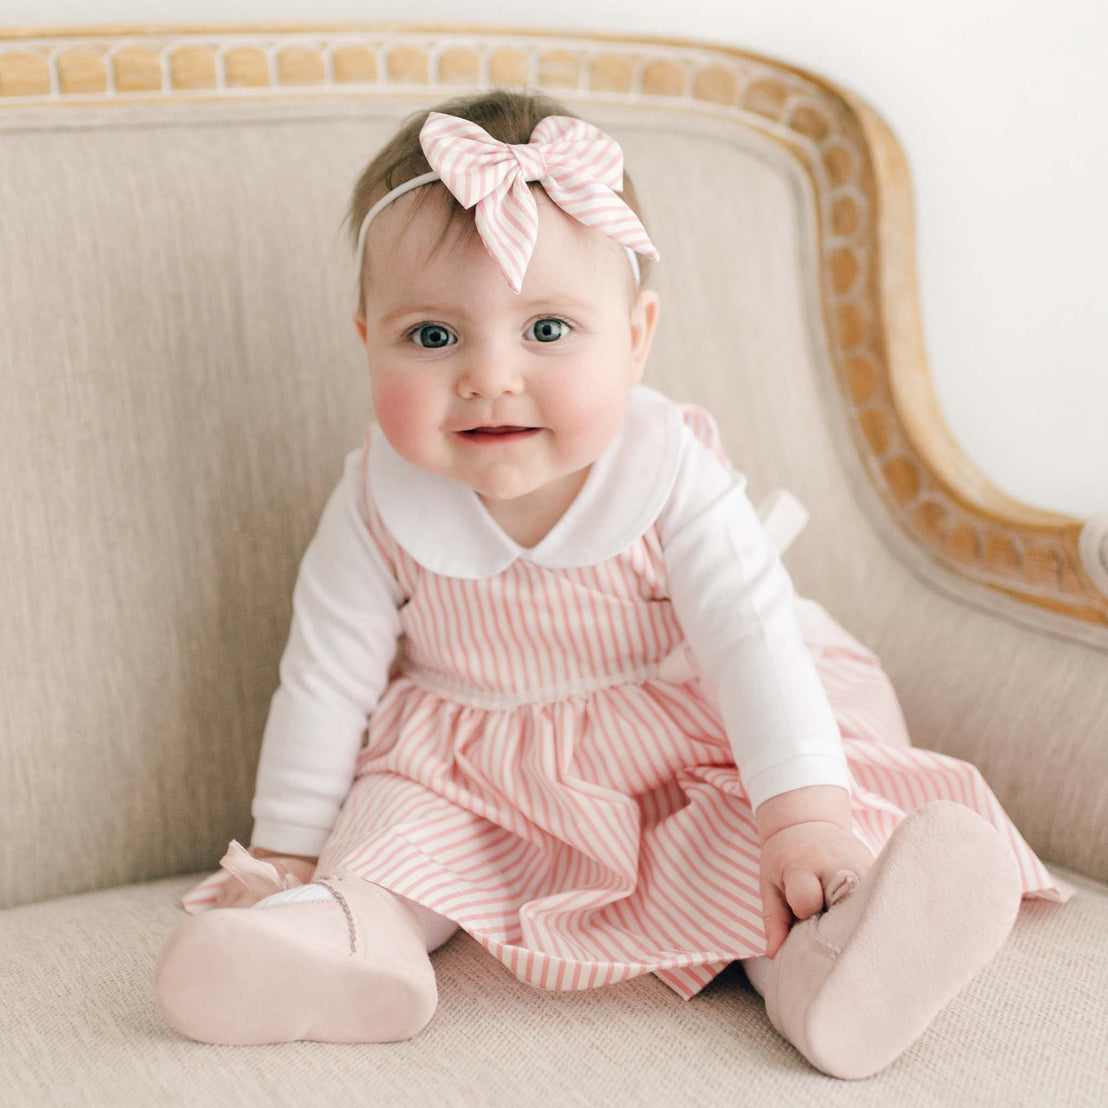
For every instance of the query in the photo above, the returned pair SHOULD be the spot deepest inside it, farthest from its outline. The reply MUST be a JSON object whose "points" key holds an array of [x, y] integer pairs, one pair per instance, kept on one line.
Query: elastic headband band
{"points": [[426, 179], [579, 167]]}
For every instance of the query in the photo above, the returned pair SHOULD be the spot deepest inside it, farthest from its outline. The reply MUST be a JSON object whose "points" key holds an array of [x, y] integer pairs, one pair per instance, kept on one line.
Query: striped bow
{"points": [[576, 163]]}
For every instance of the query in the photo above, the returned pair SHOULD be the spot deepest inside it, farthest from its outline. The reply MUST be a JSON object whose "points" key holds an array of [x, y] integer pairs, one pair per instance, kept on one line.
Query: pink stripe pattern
{"points": [[578, 165], [532, 774]]}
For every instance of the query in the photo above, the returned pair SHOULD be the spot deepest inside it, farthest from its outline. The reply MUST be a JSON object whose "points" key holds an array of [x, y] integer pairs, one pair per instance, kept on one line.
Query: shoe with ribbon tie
{"points": [[349, 968]]}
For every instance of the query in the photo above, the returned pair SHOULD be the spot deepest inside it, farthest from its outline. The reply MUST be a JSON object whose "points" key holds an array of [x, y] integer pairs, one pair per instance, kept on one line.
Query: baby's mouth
{"points": [[504, 433], [503, 430]]}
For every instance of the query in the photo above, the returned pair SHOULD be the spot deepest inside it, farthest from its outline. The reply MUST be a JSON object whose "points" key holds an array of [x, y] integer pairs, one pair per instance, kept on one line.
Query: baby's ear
{"points": [[644, 321], [359, 322]]}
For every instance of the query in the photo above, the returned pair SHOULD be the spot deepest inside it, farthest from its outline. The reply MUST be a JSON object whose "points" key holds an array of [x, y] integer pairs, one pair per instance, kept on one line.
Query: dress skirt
{"points": [[588, 835]]}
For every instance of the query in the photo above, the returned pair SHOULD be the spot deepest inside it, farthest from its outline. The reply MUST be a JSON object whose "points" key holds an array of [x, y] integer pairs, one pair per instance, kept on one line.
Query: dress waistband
{"points": [[675, 668]]}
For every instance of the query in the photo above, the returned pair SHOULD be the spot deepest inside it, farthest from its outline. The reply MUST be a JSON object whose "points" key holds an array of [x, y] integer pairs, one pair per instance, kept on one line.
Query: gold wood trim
{"points": [[860, 184]]}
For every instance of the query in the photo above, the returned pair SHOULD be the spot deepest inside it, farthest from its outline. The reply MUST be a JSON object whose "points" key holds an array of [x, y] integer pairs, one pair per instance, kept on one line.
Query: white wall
{"points": [[1002, 111]]}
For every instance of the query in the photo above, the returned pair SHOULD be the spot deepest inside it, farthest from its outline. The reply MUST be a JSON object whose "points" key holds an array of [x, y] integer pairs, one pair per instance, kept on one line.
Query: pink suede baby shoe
{"points": [[349, 969], [859, 983]]}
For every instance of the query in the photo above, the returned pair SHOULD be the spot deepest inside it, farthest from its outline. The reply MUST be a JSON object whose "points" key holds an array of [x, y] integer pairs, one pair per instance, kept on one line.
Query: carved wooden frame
{"points": [[931, 489]]}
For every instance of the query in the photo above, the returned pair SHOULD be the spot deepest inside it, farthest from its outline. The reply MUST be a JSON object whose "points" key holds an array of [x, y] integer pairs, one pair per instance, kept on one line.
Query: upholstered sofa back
{"points": [[182, 378]]}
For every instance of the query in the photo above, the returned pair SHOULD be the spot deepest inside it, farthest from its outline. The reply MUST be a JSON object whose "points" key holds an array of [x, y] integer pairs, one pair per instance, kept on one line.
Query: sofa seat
{"points": [[79, 1026]]}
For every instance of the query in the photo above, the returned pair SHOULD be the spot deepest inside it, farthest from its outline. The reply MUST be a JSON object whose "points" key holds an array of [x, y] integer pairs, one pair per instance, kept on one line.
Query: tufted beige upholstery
{"points": [[181, 381]]}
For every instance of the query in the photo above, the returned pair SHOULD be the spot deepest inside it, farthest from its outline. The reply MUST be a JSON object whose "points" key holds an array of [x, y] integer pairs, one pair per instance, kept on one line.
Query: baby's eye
{"points": [[435, 336], [551, 329]]}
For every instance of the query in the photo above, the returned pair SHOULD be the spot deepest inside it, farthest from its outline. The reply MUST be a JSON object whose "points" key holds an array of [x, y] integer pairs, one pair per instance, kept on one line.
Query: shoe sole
{"points": [[978, 895]]}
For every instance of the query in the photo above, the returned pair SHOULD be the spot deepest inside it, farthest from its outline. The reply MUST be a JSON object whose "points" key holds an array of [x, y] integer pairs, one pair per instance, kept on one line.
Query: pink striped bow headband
{"points": [[579, 166]]}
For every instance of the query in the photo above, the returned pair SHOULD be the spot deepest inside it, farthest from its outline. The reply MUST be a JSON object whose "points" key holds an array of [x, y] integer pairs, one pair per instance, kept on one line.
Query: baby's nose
{"points": [[489, 378]]}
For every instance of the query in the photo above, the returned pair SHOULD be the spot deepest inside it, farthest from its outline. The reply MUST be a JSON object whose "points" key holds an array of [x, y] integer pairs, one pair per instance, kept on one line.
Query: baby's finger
{"points": [[804, 893], [776, 917]]}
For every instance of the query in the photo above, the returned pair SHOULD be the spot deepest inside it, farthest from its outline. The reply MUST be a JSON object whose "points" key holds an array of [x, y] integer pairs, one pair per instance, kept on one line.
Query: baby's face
{"points": [[451, 347]]}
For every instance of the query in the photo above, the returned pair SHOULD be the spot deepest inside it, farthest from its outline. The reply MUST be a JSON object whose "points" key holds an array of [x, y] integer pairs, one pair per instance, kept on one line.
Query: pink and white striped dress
{"points": [[546, 769]]}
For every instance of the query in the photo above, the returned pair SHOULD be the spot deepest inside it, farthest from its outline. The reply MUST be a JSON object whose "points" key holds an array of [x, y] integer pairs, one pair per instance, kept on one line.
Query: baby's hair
{"points": [[509, 115]]}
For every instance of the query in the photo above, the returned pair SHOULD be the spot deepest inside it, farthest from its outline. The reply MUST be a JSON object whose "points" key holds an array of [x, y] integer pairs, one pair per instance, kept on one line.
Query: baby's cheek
{"points": [[590, 420], [404, 412]]}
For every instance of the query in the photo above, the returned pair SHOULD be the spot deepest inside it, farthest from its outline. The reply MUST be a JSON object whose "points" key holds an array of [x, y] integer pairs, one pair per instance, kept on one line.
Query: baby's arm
{"points": [[343, 639], [736, 605]]}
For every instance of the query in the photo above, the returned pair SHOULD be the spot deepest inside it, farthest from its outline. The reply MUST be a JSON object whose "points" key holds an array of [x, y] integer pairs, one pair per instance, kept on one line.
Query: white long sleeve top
{"points": [[730, 591]]}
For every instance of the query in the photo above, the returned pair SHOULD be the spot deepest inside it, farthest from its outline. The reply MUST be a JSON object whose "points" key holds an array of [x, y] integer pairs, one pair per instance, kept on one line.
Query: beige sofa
{"points": [[181, 380]]}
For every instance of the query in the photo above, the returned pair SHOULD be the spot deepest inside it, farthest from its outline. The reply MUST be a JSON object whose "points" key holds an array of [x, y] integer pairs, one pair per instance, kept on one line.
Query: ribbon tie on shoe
{"points": [[260, 877], [579, 167]]}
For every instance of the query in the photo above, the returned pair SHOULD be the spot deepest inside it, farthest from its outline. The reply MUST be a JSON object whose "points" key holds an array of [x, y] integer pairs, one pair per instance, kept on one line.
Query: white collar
{"points": [[443, 525]]}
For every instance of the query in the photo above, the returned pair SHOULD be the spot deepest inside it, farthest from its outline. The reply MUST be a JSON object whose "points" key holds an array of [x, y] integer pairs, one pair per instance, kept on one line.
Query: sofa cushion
{"points": [[77, 1016]]}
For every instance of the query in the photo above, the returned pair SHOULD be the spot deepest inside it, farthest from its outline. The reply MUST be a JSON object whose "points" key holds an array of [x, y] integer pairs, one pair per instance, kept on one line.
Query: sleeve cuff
{"points": [[287, 838], [796, 773]]}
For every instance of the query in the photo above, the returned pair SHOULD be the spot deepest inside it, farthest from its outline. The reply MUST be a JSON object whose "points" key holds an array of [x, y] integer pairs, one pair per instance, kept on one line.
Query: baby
{"points": [[548, 680]]}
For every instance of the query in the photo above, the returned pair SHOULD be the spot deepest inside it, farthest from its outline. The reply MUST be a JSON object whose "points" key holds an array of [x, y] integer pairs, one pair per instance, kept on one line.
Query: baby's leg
{"points": [[349, 967], [853, 987], [436, 929]]}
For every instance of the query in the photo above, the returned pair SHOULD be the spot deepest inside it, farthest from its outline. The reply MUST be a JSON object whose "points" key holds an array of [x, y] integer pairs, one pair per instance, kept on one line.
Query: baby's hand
{"points": [[797, 865], [235, 894]]}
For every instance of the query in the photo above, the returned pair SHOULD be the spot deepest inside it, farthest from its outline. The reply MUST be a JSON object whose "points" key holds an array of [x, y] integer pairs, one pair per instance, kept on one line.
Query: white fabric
{"points": [[295, 896], [731, 593], [343, 639], [736, 604], [436, 929]]}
